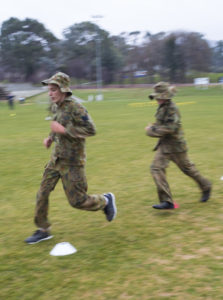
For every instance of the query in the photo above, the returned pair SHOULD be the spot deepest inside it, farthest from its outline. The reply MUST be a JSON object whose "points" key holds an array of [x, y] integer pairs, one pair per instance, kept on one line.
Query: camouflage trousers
{"points": [[158, 171], [75, 186]]}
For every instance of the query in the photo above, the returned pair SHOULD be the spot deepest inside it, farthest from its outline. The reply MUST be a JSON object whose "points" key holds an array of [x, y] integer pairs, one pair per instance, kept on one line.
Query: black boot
{"points": [[205, 195], [164, 205]]}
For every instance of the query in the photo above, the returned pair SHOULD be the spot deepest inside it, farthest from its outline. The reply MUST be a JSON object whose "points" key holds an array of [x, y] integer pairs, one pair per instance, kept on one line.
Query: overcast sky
{"points": [[204, 16]]}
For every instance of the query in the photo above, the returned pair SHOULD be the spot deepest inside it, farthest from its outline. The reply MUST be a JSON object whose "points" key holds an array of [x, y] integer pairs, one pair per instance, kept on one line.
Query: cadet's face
{"points": [[55, 93]]}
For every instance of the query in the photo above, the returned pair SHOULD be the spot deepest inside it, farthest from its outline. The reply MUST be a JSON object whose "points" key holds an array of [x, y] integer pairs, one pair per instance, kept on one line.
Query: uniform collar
{"points": [[67, 99]]}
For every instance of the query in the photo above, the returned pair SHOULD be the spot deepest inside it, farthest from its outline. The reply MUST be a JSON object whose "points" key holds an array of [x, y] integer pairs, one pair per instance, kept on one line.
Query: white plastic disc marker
{"points": [[62, 249]]}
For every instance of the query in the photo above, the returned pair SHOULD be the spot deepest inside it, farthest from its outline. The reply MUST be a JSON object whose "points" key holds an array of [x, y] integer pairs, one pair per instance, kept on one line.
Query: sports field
{"points": [[143, 254]]}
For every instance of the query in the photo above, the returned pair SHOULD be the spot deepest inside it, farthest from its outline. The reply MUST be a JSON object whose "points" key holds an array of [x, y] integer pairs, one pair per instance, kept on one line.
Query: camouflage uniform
{"points": [[171, 145], [68, 158]]}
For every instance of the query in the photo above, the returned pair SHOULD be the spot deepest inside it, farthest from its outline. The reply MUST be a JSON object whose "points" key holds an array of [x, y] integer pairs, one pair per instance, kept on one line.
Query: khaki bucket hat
{"points": [[163, 91], [60, 79]]}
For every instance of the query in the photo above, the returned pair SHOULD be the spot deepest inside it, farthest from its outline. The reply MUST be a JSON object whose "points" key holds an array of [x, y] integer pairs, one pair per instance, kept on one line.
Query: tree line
{"points": [[30, 52]]}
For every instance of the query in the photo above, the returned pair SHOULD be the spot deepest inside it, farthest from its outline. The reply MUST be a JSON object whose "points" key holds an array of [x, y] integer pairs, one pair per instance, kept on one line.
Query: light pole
{"points": [[99, 96]]}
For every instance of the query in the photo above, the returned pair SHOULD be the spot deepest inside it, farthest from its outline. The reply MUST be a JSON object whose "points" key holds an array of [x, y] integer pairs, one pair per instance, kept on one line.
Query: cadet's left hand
{"points": [[57, 127]]}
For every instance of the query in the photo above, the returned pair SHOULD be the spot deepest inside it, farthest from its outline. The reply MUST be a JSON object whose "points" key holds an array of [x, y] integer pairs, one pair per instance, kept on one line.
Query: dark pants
{"points": [[158, 171]]}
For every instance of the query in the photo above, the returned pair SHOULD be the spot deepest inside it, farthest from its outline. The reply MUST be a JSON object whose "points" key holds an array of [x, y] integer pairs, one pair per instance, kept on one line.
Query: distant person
{"points": [[170, 147], [11, 101], [71, 125]]}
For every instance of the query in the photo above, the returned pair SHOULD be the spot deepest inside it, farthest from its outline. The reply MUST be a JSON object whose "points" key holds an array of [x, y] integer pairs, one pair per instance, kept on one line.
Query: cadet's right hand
{"points": [[47, 142], [148, 127]]}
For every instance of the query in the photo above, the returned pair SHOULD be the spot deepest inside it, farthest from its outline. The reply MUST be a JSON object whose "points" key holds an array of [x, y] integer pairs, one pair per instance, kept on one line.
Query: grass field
{"points": [[144, 254]]}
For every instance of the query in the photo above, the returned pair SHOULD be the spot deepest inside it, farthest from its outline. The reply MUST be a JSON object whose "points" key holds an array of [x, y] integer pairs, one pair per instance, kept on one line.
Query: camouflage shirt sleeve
{"points": [[152, 132], [81, 125], [52, 135], [168, 122]]}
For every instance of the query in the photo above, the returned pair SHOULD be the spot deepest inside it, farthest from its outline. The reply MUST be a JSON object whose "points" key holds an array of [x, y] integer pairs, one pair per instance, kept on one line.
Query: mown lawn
{"points": [[144, 254]]}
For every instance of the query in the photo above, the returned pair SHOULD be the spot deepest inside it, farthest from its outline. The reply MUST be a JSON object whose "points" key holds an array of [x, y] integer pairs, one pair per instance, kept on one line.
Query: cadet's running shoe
{"points": [[205, 195], [38, 236], [164, 205], [110, 209]]}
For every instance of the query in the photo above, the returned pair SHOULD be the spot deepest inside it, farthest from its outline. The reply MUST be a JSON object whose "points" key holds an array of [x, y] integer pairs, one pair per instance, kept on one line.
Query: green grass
{"points": [[144, 254]]}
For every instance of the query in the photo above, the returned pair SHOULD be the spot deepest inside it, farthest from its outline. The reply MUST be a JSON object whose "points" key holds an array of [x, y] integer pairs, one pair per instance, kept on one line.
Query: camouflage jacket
{"points": [[168, 129], [78, 125]]}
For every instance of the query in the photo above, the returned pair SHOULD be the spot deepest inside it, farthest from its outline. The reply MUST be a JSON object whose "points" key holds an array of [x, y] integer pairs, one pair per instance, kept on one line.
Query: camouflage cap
{"points": [[162, 91], [60, 79]]}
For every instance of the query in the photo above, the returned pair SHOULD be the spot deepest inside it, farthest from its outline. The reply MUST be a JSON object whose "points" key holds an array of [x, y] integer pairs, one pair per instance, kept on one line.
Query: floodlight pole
{"points": [[98, 62]]}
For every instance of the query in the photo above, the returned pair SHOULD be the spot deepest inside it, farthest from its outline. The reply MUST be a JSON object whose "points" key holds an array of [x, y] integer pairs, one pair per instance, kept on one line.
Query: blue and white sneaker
{"points": [[38, 236], [110, 209]]}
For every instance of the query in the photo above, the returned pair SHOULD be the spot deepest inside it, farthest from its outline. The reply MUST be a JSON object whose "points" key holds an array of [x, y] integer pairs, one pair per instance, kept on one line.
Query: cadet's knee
{"points": [[155, 169], [188, 169], [42, 194], [185, 171], [78, 201]]}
